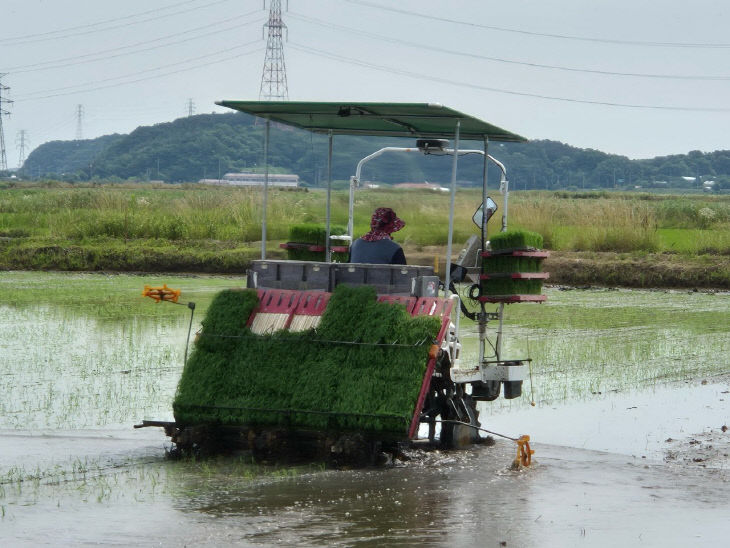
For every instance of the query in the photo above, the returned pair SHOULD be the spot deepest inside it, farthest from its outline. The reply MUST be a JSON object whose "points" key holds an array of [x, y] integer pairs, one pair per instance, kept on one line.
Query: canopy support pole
{"points": [[482, 317], [328, 251], [351, 210], [451, 208], [484, 192], [266, 189], [504, 183]]}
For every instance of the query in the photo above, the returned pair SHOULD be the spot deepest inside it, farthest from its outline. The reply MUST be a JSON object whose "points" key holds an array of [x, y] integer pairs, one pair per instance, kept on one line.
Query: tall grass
{"points": [[567, 221], [588, 224]]}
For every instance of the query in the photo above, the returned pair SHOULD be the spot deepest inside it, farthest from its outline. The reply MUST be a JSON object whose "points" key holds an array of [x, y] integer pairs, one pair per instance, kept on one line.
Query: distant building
{"points": [[247, 178], [427, 186]]}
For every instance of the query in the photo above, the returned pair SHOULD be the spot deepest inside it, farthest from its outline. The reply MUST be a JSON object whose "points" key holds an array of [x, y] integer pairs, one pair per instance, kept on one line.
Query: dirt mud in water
{"points": [[619, 471], [629, 440], [116, 488]]}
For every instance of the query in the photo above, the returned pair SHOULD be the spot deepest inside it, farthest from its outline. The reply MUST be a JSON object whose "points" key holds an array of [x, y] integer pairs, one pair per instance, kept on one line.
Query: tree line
{"points": [[207, 146]]}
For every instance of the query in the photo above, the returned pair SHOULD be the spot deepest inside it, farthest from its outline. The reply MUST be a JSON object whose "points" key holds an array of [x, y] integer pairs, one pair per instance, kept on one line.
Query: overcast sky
{"points": [[634, 77]]}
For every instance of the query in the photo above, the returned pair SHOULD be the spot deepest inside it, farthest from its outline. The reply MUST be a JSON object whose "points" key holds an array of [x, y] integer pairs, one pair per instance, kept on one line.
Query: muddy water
{"points": [[616, 375]]}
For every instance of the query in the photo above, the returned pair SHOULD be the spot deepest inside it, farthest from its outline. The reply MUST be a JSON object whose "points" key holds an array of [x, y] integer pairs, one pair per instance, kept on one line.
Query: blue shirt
{"points": [[383, 251]]}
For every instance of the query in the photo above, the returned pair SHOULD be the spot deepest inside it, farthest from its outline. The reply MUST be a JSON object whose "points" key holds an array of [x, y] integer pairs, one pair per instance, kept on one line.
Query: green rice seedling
{"points": [[508, 286], [509, 264], [361, 369], [499, 267], [313, 234], [516, 239]]}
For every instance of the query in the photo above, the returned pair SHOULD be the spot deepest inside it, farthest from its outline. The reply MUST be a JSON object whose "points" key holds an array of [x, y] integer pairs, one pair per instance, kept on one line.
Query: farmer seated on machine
{"points": [[377, 246]]}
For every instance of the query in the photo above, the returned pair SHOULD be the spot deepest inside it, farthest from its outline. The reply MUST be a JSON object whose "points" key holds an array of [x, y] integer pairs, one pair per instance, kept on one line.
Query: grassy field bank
{"points": [[639, 240]]}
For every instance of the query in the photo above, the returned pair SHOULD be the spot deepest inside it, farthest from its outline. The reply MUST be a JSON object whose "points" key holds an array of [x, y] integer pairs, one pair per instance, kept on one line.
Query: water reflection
{"points": [[75, 377], [434, 498]]}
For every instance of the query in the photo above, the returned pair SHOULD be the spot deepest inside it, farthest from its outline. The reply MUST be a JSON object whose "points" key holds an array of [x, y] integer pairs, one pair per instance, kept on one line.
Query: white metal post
{"points": [[499, 331], [482, 315], [351, 210], [266, 189], [484, 193], [451, 207], [505, 189], [327, 252]]}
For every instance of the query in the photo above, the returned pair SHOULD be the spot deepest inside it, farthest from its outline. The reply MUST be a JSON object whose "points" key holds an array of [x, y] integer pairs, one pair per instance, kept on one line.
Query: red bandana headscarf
{"points": [[383, 223]]}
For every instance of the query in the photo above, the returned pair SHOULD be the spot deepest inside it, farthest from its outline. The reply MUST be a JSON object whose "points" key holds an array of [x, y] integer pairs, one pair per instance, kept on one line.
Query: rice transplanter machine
{"points": [[293, 295]]}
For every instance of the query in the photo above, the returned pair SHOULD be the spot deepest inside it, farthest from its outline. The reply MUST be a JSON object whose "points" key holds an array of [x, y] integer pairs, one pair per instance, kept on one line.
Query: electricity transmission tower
{"points": [[79, 119], [191, 107], [273, 79], [21, 142], [3, 112]]}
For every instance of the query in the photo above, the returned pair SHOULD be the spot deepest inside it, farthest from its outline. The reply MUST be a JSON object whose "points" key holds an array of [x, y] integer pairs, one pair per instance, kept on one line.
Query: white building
{"points": [[255, 179]]}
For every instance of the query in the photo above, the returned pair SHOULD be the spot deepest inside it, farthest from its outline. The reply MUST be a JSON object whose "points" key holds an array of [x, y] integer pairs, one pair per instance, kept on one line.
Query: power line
{"points": [[43, 37], [452, 82], [718, 45], [237, 56], [29, 95], [49, 130], [81, 59], [383, 38]]}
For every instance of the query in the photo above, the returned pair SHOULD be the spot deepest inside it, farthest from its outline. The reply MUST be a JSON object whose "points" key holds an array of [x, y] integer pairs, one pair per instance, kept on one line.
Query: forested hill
{"points": [[209, 145]]}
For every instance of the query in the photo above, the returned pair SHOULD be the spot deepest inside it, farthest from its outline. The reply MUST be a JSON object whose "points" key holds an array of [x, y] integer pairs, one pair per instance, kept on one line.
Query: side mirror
{"points": [[478, 217]]}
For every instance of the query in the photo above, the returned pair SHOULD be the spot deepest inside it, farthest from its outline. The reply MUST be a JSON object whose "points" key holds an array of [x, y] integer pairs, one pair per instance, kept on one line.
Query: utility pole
{"points": [[79, 122], [3, 112], [273, 79], [191, 107], [21, 143]]}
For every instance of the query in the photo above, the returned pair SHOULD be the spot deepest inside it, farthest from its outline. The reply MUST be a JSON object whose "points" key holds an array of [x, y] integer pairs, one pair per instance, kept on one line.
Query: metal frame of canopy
{"points": [[418, 120]]}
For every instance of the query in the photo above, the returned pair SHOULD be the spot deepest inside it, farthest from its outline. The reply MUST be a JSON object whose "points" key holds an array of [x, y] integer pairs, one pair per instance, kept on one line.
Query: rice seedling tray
{"points": [[515, 252], [314, 248], [512, 298], [347, 361], [515, 275]]}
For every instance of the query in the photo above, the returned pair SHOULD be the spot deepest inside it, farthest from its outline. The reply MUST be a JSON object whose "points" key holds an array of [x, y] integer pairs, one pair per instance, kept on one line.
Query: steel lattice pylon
{"points": [[3, 112], [273, 79]]}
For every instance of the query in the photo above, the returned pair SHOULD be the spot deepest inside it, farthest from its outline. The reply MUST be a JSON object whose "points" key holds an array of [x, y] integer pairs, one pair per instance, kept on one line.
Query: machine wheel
{"points": [[485, 391], [448, 402], [462, 408], [512, 389]]}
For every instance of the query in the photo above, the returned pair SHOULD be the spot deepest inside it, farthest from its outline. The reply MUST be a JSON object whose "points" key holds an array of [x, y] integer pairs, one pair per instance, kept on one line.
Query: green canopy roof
{"points": [[392, 119]]}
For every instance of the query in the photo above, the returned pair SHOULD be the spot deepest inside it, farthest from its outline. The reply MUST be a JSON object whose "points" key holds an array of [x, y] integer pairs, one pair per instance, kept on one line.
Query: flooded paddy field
{"points": [[630, 391]]}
